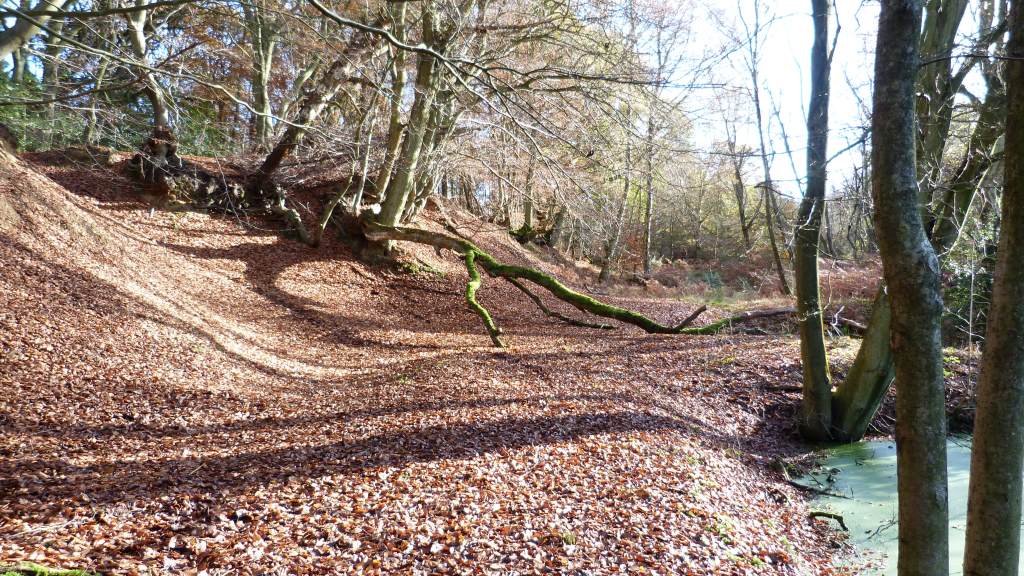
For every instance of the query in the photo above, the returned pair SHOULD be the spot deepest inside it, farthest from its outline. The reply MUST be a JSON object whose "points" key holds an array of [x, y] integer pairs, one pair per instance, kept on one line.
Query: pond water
{"points": [[866, 473]]}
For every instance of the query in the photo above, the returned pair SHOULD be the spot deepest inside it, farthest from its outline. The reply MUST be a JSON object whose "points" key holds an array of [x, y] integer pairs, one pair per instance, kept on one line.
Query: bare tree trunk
{"points": [[912, 275], [400, 185], [816, 419], [997, 456], [152, 89], [395, 127], [18, 35], [739, 189], [649, 208], [770, 207], [263, 38], [613, 243]]}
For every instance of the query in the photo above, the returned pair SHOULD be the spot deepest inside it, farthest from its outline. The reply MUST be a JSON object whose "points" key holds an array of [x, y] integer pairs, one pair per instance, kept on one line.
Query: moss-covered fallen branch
{"points": [[477, 257], [30, 569], [553, 314], [471, 287]]}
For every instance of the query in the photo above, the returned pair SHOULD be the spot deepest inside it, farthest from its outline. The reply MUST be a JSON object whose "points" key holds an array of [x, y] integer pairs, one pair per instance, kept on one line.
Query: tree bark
{"points": [[997, 456], [613, 243], [400, 185], [395, 127], [912, 275], [649, 205], [816, 417], [18, 35]]}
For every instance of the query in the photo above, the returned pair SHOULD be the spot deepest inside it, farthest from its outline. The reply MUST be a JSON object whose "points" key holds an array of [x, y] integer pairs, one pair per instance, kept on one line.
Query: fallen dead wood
{"points": [[553, 314], [854, 326], [474, 257], [830, 515]]}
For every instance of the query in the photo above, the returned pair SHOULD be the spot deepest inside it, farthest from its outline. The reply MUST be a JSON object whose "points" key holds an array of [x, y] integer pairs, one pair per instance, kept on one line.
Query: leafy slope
{"points": [[186, 394]]}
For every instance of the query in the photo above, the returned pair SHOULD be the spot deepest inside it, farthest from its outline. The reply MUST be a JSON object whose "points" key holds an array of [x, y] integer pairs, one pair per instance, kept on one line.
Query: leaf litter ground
{"points": [[184, 394]]}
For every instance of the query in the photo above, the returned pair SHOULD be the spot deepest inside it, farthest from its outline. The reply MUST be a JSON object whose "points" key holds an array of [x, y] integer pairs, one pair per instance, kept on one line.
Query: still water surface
{"points": [[866, 473]]}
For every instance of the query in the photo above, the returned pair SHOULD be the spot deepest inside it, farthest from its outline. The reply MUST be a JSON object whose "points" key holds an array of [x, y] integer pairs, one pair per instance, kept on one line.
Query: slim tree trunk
{"points": [[262, 38], [769, 191], [769, 209], [620, 218], [152, 89], [912, 275], [395, 127], [18, 35], [997, 457], [649, 207], [816, 419]]}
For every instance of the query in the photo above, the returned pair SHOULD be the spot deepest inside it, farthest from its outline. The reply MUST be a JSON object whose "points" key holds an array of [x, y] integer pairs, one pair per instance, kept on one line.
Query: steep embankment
{"points": [[184, 393]]}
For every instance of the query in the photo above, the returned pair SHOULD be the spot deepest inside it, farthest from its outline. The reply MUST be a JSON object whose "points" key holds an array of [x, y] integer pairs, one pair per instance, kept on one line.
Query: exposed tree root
{"points": [[278, 206], [474, 255], [183, 185]]}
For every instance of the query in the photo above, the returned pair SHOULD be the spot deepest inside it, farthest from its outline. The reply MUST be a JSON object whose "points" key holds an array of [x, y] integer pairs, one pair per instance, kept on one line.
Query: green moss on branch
{"points": [[553, 314], [475, 256], [471, 287], [30, 569]]}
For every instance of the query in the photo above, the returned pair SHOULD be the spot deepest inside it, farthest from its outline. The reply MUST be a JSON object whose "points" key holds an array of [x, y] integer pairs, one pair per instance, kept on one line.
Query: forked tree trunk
{"points": [[816, 417], [997, 456], [912, 275], [860, 394], [401, 184]]}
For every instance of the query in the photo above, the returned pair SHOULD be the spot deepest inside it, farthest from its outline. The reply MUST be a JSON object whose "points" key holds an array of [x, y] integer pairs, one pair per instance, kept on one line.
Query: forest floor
{"points": [[186, 394]]}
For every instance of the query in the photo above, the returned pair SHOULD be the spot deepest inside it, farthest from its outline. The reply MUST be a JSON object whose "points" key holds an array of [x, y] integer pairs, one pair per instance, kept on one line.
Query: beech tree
{"points": [[817, 387]]}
